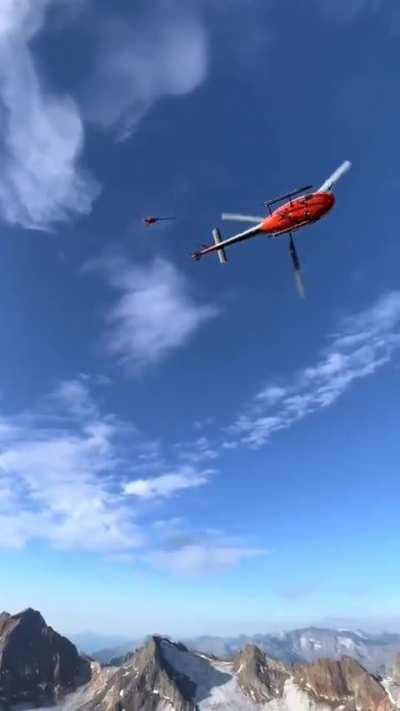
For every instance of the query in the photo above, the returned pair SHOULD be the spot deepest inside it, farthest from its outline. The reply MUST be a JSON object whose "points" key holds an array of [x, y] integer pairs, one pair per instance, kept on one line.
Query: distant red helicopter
{"points": [[286, 219], [148, 221]]}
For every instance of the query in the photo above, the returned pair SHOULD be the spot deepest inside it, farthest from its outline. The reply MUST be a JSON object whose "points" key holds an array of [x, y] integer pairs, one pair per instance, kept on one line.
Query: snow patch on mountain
{"points": [[393, 691], [211, 696], [347, 642]]}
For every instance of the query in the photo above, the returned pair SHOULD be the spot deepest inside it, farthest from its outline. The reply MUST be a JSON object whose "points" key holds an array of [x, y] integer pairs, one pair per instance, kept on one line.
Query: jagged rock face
{"points": [[154, 680], [259, 678], [147, 682], [37, 665], [343, 683], [396, 670]]}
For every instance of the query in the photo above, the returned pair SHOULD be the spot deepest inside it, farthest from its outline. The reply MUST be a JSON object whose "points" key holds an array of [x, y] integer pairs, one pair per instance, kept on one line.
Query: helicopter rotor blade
{"points": [[235, 217], [333, 179], [296, 268]]}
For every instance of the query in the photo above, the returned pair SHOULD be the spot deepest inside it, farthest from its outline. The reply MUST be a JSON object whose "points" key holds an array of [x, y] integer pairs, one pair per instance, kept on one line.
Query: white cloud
{"points": [[154, 313], [167, 485], [64, 469], [181, 549], [196, 451], [167, 524], [198, 558], [271, 394], [41, 136], [75, 395], [57, 480], [364, 343], [163, 52], [230, 444], [64, 480]]}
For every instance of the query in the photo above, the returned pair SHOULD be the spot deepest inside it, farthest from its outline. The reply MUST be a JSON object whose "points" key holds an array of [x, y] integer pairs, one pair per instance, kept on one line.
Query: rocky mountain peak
{"points": [[260, 678], [4, 617], [36, 663], [343, 682], [149, 680]]}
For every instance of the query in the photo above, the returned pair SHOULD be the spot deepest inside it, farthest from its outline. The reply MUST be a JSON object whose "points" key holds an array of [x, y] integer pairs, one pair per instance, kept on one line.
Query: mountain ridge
{"points": [[167, 676], [40, 668], [375, 651]]}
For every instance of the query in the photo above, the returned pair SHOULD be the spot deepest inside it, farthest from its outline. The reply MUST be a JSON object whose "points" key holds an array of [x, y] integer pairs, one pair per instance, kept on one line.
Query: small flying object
{"points": [[148, 221], [288, 218]]}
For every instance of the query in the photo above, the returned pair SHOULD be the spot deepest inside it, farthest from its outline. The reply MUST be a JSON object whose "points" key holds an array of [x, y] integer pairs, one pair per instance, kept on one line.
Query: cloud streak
{"points": [[41, 139], [200, 558], [167, 485], [198, 552], [363, 344]]}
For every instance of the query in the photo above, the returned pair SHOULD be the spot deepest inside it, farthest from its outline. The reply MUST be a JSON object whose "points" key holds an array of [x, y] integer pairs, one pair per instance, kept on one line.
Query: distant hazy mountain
{"points": [[373, 651], [89, 642], [115, 655]]}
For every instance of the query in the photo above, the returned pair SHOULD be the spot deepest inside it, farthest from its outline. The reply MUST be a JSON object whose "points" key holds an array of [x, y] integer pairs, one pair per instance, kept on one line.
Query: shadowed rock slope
{"points": [[37, 665]]}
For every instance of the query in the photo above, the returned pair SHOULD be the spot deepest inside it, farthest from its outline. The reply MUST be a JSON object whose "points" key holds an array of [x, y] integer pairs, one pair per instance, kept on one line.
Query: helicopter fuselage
{"points": [[297, 213]]}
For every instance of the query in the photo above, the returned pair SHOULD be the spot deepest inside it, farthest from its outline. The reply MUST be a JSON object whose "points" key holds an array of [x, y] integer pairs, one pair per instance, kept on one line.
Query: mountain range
{"points": [[374, 651], [40, 668]]}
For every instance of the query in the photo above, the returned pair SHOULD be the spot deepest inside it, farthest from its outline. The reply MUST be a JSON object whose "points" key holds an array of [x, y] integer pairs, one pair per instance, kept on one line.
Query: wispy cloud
{"points": [[64, 475], [65, 479], [162, 53], [60, 478], [75, 395], [348, 9], [183, 551], [200, 558], [271, 394], [197, 450], [363, 344], [154, 313], [41, 137], [167, 485]]}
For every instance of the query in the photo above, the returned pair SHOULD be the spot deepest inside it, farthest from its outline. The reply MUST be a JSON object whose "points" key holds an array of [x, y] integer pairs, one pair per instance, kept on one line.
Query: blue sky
{"points": [[189, 448]]}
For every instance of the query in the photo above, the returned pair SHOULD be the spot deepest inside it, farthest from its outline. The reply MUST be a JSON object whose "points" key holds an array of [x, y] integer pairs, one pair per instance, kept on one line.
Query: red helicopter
{"points": [[148, 221], [286, 219]]}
